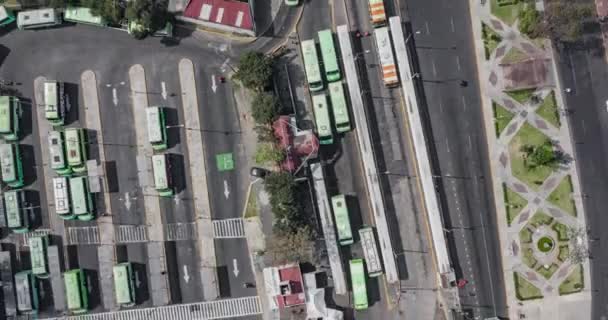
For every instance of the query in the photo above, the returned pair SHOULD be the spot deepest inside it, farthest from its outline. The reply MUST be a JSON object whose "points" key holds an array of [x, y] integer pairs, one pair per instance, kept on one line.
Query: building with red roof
{"points": [[226, 15], [299, 145]]}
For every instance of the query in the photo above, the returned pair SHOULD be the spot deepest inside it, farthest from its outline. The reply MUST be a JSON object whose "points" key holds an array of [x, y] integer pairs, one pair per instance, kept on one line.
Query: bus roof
{"points": [[357, 275], [11, 207], [37, 246], [159, 166], [6, 125], [56, 150], [79, 193], [338, 103], [377, 13], [122, 283], [319, 102], [23, 281], [385, 51], [72, 280], [83, 15], [60, 191], [338, 204], [370, 251], [328, 52], [73, 142], [311, 61], [155, 133], [37, 17], [7, 162], [51, 107]]}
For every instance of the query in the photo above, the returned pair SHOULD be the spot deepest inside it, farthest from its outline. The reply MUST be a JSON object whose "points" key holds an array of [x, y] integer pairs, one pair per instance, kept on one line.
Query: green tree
{"points": [[297, 246], [265, 133], [281, 188], [529, 20], [109, 10], [264, 108], [541, 155], [254, 70], [148, 15], [563, 20], [268, 153]]}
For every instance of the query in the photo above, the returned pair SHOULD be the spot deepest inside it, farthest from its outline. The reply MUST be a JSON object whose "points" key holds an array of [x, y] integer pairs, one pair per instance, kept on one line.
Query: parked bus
{"points": [[387, 60], [9, 117], [157, 131], [57, 153], [357, 278], [39, 18], [38, 255], [76, 149], [345, 234], [328, 53], [17, 218], [319, 102], [27, 292], [62, 198], [339, 107], [83, 15], [10, 161], [377, 13], [9, 304], [370, 252], [311, 65], [81, 199], [54, 102], [162, 175], [124, 284], [76, 291]]}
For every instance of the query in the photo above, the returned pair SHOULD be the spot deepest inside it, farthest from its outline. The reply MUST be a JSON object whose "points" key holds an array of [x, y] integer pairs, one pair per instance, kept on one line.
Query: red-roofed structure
{"points": [[290, 286], [300, 147], [226, 15]]}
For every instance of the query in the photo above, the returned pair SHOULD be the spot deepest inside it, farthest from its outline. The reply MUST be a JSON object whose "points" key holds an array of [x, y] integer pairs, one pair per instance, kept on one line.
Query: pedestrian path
{"points": [[129, 233], [36, 233], [83, 235], [228, 228], [218, 309], [181, 231]]}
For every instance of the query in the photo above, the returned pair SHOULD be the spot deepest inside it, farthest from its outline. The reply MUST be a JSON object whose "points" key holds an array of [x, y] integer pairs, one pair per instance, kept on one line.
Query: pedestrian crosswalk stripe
{"points": [[83, 235], [228, 228], [39, 232], [131, 233], [181, 231]]}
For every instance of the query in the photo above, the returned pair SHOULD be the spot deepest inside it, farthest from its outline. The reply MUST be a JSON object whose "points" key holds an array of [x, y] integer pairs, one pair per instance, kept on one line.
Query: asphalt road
{"points": [[585, 72], [63, 54], [445, 54]]}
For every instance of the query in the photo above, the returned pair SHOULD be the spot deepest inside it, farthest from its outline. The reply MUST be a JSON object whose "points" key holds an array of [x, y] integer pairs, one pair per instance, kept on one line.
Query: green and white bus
{"points": [[38, 255], [81, 199], [10, 161], [357, 277], [328, 52], [373, 263], [38, 18], [345, 234], [157, 131], [311, 65], [83, 15], [339, 107], [57, 153], [17, 218], [162, 175], [27, 292], [124, 284], [319, 103], [62, 198], [9, 117], [54, 102], [76, 291], [76, 149]]}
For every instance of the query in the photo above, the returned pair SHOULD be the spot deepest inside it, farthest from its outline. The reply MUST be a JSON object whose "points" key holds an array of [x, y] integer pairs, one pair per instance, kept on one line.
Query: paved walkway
{"points": [[493, 81]]}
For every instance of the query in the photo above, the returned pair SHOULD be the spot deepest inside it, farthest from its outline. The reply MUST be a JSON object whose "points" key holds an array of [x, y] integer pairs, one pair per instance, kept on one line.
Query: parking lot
{"points": [[71, 54]]}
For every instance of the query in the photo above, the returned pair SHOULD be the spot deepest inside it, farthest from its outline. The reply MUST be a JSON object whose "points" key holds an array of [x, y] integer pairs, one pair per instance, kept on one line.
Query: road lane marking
{"points": [[464, 104], [226, 190], [163, 90], [458, 62], [452, 24], [114, 97], [235, 267], [426, 24], [434, 67], [440, 106], [213, 84], [186, 275], [573, 71]]}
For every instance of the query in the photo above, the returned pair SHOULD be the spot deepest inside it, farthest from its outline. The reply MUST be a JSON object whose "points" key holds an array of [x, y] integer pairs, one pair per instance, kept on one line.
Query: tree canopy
{"points": [[264, 108], [254, 70], [563, 20]]}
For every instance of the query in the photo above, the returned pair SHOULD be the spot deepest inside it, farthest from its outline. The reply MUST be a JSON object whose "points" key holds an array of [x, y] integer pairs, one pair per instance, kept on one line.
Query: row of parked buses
{"points": [[75, 283], [161, 164]]}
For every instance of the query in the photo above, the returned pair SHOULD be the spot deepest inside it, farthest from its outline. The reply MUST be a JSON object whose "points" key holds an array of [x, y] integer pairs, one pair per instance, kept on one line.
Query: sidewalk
{"points": [[531, 203]]}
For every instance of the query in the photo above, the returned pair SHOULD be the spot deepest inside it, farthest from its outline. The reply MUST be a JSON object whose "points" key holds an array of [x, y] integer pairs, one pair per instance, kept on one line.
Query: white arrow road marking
{"points": [[114, 97], [164, 90], [137, 281], [127, 201], [186, 276], [236, 267], [213, 85], [176, 199], [226, 190]]}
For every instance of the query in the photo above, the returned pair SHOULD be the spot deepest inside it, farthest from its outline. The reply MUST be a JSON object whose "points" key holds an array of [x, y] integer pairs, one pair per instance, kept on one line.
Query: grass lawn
{"points": [[547, 272], [514, 203], [491, 40], [502, 117], [573, 283], [548, 110], [252, 206], [525, 290], [514, 55], [562, 196], [528, 258], [564, 252], [507, 13], [522, 96], [541, 218], [533, 177], [525, 235], [562, 231]]}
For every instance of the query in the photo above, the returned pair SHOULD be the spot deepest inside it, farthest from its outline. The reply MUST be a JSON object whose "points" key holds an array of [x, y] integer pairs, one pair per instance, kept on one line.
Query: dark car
{"points": [[258, 172]]}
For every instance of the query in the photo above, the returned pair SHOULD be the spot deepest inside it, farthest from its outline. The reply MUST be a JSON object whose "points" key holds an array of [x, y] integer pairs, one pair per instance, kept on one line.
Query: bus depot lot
{"points": [[64, 54]]}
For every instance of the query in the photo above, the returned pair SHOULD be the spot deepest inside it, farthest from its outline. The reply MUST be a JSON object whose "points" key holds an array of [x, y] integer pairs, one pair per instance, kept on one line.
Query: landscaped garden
{"points": [[514, 55], [522, 96], [548, 110], [524, 289], [561, 197], [573, 283], [490, 40], [506, 10], [502, 117], [528, 137], [514, 203]]}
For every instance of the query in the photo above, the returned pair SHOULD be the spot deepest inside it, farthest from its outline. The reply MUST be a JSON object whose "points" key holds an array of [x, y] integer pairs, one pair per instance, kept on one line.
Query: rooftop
{"points": [[225, 12]]}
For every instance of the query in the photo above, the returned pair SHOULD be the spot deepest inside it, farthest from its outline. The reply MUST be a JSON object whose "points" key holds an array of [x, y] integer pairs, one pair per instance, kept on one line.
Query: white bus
{"points": [[39, 18], [370, 252], [57, 153], [387, 60], [157, 134], [162, 176], [54, 102], [62, 198]]}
